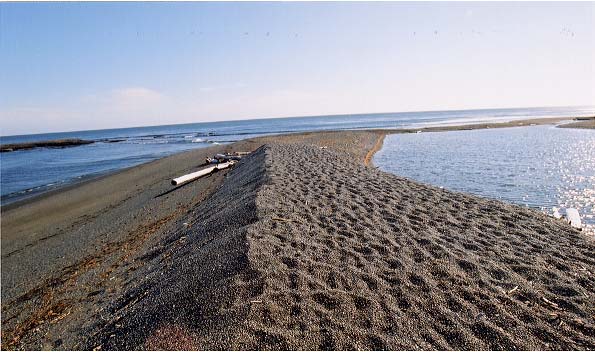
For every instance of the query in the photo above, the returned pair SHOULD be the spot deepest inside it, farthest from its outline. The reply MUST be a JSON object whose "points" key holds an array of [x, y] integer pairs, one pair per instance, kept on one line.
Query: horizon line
{"points": [[303, 116]]}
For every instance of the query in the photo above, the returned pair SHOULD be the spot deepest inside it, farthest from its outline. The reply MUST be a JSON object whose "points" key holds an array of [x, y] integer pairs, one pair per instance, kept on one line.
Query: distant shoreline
{"points": [[294, 117], [55, 143], [479, 126], [582, 122], [11, 201]]}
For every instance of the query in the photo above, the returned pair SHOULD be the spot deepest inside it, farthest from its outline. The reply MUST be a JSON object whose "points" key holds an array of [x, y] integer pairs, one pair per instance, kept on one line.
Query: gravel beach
{"points": [[299, 246]]}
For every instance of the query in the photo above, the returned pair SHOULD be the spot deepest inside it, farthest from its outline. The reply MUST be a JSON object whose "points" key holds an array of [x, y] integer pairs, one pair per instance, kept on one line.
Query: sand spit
{"points": [[581, 122], [300, 246], [68, 254], [56, 143], [306, 248]]}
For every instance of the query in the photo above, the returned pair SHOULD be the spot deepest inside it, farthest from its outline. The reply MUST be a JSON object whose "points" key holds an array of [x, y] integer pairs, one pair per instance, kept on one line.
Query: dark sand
{"points": [[300, 246], [61, 250], [585, 122]]}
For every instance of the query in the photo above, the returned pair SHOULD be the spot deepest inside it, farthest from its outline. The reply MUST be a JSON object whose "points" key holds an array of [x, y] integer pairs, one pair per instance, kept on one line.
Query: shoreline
{"points": [[587, 123], [17, 201], [83, 267], [55, 143], [581, 122], [479, 126], [368, 160]]}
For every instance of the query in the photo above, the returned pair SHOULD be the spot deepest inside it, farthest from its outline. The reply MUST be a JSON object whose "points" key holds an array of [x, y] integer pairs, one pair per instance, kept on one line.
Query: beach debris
{"points": [[513, 290], [573, 217], [554, 305], [227, 156], [193, 176], [220, 158], [255, 301]]}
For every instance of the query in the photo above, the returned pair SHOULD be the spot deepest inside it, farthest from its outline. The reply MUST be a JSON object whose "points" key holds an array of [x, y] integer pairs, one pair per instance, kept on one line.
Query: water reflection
{"points": [[541, 167]]}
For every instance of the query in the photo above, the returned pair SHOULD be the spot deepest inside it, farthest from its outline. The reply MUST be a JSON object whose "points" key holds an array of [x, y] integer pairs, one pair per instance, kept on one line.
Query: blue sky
{"points": [[73, 66]]}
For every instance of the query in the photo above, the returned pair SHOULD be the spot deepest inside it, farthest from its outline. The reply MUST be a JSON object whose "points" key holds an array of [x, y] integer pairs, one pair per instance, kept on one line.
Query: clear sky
{"points": [[73, 66]]}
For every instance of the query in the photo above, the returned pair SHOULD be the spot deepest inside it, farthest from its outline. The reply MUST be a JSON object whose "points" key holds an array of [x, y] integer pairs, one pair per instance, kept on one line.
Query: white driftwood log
{"points": [[200, 173]]}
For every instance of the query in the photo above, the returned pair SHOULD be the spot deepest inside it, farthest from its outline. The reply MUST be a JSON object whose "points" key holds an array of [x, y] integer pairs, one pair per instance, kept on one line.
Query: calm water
{"points": [[28, 172], [540, 167]]}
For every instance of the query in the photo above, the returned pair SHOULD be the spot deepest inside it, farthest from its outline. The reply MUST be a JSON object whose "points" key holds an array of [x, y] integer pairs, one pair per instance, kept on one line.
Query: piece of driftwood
{"points": [[193, 176], [220, 158]]}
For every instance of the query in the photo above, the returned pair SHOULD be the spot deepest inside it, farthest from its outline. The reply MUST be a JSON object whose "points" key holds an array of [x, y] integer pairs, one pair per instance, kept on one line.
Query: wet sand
{"points": [[300, 246]]}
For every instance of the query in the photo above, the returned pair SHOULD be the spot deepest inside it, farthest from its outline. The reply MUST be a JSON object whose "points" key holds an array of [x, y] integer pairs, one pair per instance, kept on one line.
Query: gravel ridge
{"points": [[304, 247]]}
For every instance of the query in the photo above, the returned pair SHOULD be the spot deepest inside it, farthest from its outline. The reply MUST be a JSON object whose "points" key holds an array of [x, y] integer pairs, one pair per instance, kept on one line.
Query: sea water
{"points": [[541, 167], [28, 172]]}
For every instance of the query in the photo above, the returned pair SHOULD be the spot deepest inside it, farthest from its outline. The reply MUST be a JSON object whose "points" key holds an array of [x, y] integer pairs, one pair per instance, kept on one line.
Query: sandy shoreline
{"points": [[585, 122], [84, 267]]}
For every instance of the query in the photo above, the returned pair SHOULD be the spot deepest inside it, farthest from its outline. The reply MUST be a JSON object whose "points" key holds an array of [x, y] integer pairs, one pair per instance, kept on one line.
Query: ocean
{"points": [[28, 172]]}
